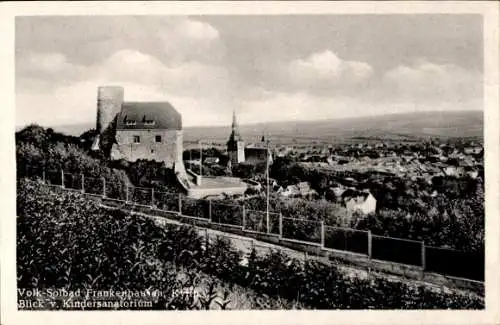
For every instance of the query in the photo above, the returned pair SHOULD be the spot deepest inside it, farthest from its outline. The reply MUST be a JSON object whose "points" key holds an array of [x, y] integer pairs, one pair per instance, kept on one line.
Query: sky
{"points": [[266, 68]]}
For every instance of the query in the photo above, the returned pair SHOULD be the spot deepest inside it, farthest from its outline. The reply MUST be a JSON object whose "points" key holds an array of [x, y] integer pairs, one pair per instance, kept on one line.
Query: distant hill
{"points": [[412, 126], [409, 126]]}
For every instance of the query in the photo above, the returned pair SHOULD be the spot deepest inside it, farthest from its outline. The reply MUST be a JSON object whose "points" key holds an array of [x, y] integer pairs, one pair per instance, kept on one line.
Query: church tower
{"points": [[235, 144]]}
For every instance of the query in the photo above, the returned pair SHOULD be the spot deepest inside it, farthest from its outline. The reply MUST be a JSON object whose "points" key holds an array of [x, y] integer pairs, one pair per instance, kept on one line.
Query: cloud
{"points": [[321, 73], [45, 62], [45, 66], [433, 82], [327, 69], [167, 60], [205, 94], [182, 78], [197, 30], [167, 38], [199, 91], [187, 62], [76, 103]]}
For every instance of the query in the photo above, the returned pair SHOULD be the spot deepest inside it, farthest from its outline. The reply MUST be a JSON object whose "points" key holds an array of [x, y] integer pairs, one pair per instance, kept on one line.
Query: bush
{"points": [[37, 148]]}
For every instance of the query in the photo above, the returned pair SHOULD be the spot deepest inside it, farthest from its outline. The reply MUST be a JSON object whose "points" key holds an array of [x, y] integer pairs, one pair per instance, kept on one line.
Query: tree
{"points": [[87, 138], [33, 134]]}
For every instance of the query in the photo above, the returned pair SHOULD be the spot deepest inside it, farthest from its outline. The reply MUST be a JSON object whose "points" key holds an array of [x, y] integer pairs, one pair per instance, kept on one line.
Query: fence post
{"points": [[103, 187], [83, 183], [322, 234], [267, 223], [152, 197], [281, 225], [207, 240], [62, 178], [210, 211], [180, 204], [43, 176], [243, 219], [369, 244], [423, 256]]}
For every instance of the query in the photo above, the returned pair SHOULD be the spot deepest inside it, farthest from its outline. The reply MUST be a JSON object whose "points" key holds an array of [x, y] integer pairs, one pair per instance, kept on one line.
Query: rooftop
{"points": [[148, 115]]}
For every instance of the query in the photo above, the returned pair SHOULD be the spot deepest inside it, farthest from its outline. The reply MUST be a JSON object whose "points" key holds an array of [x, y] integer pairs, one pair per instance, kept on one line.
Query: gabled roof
{"points": [[163, 114], [349, 194]]}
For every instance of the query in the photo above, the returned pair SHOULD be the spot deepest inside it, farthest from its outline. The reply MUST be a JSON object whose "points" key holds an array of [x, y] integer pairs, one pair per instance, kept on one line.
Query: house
{"points": [[473, 174], [193, 162], [470, 171], [473, 150], [461, 171], [302, 189], [335, 193], [330, 160], [258, 153], [211, 160], [362, 201], [289, 191], [450, 171], [138, 130]]}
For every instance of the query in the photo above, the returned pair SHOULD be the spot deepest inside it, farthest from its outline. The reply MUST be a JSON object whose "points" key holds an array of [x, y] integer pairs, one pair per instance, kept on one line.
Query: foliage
{"points": [[152, 174], [67, 241], [38, 149], [249, 169]]}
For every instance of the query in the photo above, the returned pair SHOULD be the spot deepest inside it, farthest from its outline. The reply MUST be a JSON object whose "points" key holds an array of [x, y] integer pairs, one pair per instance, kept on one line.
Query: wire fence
{"points": [[469, 265], [226, 214], [257, 221], [347, 239], [301, 230], [194, 208], [93, 185], [166, 201], [398, 250]]}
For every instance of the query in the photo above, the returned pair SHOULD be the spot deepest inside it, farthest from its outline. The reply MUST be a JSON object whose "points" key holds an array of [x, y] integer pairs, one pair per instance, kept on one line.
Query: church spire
{"points": [[235, 130]]}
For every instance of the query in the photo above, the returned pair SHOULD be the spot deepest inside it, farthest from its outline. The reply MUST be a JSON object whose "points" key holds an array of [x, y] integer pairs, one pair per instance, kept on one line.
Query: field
{"points": [[412, 126], [66, 241]]}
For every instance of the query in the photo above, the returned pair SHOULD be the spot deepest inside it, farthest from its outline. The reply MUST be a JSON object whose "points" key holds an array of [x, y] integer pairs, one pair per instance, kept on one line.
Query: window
{"points": [[158, 138], [137, 139], [149, 122], [130, 122]]}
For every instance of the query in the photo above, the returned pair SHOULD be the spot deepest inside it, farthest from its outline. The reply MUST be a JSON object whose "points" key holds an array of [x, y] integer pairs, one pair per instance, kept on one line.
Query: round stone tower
{"points": [[109, 104]]}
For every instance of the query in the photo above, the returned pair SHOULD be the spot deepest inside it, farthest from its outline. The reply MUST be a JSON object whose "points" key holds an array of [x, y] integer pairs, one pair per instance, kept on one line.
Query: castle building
{"points": [[235, 144], [138, 130]]}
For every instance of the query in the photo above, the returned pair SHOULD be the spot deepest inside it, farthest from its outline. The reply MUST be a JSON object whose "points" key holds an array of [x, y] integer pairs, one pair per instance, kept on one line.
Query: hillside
{"points": [[406, 126]]}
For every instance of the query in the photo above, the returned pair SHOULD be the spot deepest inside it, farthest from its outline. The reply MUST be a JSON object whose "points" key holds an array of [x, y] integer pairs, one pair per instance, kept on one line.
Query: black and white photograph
{"points": [[253, 162]]}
